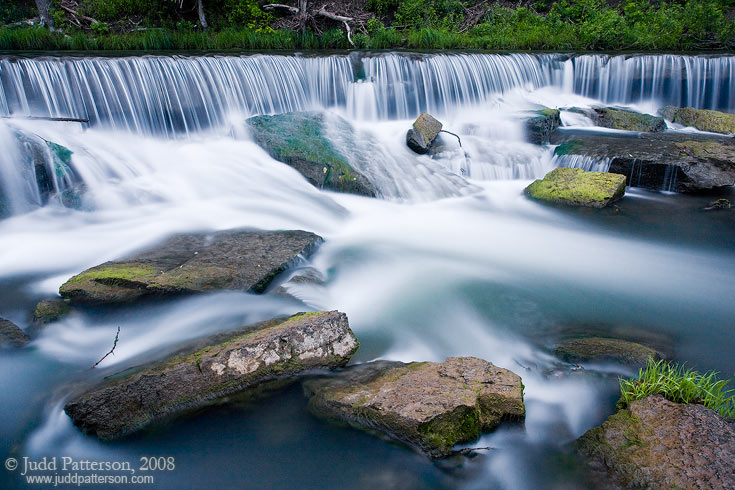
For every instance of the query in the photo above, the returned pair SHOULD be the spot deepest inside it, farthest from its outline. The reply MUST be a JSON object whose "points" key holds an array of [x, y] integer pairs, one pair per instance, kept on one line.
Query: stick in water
{"points": [[112, 351]]}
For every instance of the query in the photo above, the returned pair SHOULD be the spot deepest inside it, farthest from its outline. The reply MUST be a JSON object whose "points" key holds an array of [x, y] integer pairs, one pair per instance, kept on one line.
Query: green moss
{"points": [[111, 273], [553, 113], [630, 121], [577, 187], [50, 310], [443, 432], [703, 119], [567, 148]]}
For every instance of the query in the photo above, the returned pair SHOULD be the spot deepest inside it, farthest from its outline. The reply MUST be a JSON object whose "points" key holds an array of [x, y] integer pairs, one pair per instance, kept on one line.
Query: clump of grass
{"points": [[680, 385]]}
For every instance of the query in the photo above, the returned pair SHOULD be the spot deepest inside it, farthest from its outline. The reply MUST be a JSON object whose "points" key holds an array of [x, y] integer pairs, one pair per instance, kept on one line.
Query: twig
{"points": [[338, 18], [455, 135], [112, 351], [74, 12], [274, 6]]}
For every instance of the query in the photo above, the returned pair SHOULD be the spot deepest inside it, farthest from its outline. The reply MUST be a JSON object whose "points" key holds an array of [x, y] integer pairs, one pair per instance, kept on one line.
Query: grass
{"points": [[680, 385]]}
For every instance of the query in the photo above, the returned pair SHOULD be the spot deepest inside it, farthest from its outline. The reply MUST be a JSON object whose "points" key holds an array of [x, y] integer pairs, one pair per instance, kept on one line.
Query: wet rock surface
{"points": [[11, 334], [576, 187], [540, 126], [214, 368], [623, 119], [429, 406], [656, 443], [702, 119], [242, 260], [298, 140], [601, 349], [50, 310], [423, 133], [660, 161]]}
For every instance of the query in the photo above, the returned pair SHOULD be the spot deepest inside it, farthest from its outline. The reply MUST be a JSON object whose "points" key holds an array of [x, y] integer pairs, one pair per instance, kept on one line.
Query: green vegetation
{"points": [[386, 24], [680, 385]]}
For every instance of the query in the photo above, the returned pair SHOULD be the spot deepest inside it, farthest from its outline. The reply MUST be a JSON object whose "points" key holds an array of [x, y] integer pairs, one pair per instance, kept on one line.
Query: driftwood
{"points": [[276, 6], [302, 12], [338, 18], [77, 14], [42, 118]]}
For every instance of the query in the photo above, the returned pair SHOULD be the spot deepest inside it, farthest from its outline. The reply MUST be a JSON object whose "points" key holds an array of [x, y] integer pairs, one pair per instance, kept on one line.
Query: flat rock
{"points": [[601, 349], [702, 119], [429, 406], [656, 443], [243, 260], [423, 133], [11, 335], [215, 367], [576, 187], [50, 310], [540, 126], [661, 161], [298, 140], [623, 119]]}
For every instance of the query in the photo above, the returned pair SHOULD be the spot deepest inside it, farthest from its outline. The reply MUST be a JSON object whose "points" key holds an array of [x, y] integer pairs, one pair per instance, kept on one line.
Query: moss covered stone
{"points": [[576, 187], [242, 260], [422, 134], [298, 140], [626, 120], [540, 126], [702, 119], [602, 349], [212, 368], [50, 310], [430, 406]]}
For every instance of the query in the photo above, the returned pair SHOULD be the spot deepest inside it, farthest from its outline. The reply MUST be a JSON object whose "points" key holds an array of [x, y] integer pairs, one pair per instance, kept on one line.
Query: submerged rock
{"points": [[540, 127], [427, 405], [576, 187], [656, 443], [702, 119], [718, 204], [11, 335], [297, 139], [600, 349], [425, 129], [50, 310], [192, 263], [623, 119], [216, 367], [659, 161]]}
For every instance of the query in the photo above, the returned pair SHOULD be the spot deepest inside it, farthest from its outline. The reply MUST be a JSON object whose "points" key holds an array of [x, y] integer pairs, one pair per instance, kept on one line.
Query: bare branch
{"points": [[112, 351], [43, 118], [338, 18], [77, 14], [275, 6]]}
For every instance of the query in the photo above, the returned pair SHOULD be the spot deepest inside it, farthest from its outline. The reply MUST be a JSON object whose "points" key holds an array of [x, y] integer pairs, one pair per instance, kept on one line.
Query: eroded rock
{"points": [[242, 260], [623, 119], [656, 443], [702, 119], [216, 367], [50, 310], [423, 133], [430, 406], [298, 140], [540, 126], [574, 186], [601, 349], [11, 334]]}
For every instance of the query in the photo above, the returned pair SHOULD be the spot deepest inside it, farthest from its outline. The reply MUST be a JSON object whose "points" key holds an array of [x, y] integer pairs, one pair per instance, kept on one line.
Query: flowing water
{"points": [[451, 260]]}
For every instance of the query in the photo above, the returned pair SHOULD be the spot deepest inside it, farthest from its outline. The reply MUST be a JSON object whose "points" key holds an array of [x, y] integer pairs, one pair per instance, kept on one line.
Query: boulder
{"points": [[656, 443], [215, 367], [660, 161], [429, 406], [11, 335], [718, 204], [297, 139], [50, 310], [541, 125], [574, 186], [425, 129], [702, 119], [623, 119], [241, 260], [600, 349]]}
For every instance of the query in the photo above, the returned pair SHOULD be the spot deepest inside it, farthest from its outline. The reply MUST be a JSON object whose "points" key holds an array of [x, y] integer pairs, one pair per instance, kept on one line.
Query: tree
{"points": [[43, 12], [200, 12]]}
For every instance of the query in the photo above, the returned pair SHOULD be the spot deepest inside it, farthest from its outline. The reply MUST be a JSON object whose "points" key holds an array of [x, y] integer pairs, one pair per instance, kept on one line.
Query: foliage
{"points": [[679, 385], [16, 10]]}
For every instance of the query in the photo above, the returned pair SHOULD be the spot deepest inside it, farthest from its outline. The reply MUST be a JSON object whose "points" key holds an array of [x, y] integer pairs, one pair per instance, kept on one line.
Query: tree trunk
{"points": [[202, 18], [303, 15], [43, 12]]}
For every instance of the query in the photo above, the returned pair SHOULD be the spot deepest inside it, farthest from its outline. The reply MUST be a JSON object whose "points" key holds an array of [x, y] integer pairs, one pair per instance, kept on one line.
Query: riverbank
{"points": [[576, 25]]}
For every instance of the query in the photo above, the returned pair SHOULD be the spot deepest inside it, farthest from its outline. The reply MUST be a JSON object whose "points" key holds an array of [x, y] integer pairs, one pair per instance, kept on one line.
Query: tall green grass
{"points": [[680, 385]]}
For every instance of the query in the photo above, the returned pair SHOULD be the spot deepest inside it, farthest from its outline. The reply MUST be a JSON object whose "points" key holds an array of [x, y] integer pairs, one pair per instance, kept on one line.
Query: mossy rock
{"points": [[626, 120], [50, 310], [429, 406], [422, 134], [212, 368], [242, 260], [601, 349], [574, 186], [656, 443], [298, 140], [540, 126], [702, 119]]}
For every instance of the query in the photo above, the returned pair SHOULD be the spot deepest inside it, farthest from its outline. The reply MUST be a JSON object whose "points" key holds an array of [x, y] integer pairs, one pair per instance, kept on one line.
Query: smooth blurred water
{"points": [[453, 260]]}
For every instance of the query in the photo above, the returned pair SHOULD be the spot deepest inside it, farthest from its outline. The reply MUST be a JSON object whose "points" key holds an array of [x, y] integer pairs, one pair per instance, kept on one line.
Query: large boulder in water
{"points": [[702, 119], [298, 140], [540, 126], [623, 119], [423, 133], [214, 368], [11, 335], [430, 406], [656, 443], [660, 161], [574, 186], [243, 260], [605, 349]]}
